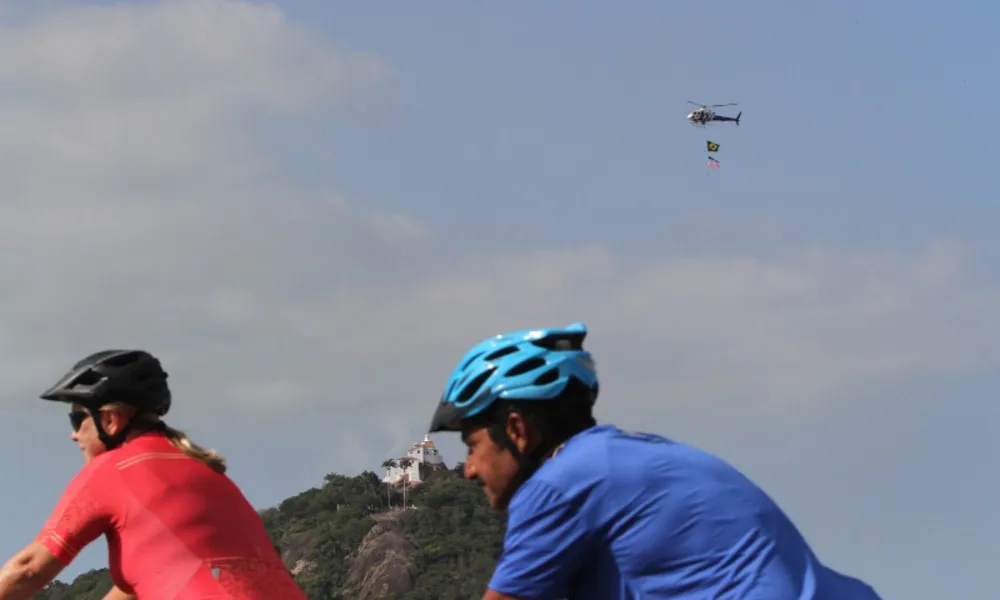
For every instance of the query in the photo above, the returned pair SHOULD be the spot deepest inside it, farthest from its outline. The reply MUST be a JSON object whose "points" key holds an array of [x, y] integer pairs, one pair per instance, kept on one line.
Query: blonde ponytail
{"points": [[211, 458], [178, 438]]}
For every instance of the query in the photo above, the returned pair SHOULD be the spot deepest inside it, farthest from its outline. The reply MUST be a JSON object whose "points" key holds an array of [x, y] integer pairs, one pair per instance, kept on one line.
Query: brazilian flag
{"points": [[712, 146]]}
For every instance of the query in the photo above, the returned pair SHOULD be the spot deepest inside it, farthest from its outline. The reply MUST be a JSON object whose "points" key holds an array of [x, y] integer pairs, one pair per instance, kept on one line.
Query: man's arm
{"points": [[27, 572], [546, 544]]}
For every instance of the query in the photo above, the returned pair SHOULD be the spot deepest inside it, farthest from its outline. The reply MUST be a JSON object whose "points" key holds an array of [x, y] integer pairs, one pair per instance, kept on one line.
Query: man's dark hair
{"points": [[555, 421]]}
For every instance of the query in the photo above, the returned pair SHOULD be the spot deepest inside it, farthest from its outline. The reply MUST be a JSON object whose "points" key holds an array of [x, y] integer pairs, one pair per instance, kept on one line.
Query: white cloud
{"points": [[782, 334], [140, 208], [139, 205]]}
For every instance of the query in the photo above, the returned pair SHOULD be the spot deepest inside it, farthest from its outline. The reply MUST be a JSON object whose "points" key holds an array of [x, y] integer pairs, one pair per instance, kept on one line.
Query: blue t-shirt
{"points": [[623, 516]]}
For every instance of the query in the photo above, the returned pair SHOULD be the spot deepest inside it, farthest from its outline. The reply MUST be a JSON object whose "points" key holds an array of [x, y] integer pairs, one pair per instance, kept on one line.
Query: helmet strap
{"points": [[110, 441], [114, 441], [527, 463], [526, 467]]}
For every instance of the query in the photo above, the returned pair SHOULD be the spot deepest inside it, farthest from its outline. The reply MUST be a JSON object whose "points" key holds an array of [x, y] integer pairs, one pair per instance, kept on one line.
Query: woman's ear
{"points": [[109, 421], [113, 421]]}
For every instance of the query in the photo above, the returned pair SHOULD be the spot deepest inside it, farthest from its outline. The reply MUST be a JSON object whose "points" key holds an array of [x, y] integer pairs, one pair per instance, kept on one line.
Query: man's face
{"points": [[492, 465]]}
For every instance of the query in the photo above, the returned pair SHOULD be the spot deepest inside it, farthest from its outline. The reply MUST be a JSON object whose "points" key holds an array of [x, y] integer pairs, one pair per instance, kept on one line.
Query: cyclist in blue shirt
{"points": [[594, 512]]}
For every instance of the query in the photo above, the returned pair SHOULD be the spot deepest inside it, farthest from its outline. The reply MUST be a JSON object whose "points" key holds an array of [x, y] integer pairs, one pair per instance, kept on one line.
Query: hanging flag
{"points": [[712, 163], [712, 146]]}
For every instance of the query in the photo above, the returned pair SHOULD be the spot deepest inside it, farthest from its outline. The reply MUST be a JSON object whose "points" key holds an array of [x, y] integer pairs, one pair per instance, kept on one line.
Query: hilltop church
{"points": [[420, 461]]}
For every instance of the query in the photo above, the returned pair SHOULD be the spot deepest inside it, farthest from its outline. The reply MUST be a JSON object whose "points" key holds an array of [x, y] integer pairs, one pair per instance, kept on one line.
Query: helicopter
{"points": [[704, 115]]}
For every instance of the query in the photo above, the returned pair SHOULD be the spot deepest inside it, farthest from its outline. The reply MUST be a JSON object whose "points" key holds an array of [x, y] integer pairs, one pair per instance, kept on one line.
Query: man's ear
{"points": [[519, 431]]}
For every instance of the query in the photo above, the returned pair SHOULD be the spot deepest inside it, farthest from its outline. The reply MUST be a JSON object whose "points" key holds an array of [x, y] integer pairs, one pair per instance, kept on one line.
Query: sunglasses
{"points": [[76, 419]]}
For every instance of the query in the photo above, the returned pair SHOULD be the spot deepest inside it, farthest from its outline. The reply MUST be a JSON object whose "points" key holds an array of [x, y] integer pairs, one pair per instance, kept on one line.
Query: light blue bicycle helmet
{"points": [[526, 365]]}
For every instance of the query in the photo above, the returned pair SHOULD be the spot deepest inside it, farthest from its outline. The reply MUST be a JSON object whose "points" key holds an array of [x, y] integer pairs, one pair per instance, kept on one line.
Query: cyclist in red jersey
{"points": [[177, 527]]}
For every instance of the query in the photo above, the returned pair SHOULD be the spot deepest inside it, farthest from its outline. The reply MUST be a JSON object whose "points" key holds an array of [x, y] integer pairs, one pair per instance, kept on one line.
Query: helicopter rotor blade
{"points": [[695, 103], [721, 105]]}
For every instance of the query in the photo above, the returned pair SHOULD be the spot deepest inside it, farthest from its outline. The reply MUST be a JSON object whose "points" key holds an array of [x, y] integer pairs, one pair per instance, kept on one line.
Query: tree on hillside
{"points": [[405, 463], [388, 465]]}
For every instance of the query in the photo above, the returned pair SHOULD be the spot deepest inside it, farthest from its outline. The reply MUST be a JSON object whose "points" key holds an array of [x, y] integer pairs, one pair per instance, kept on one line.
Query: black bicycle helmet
{"points": [[131, 377]]}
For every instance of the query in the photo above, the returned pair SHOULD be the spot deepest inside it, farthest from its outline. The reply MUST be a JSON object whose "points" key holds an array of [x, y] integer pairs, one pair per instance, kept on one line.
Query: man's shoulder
{"points": [[590, 456], [608, 451], [610, 440]]}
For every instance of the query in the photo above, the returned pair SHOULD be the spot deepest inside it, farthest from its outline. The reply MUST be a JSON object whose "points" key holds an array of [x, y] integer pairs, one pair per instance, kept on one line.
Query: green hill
{"points": [[349, 540]]}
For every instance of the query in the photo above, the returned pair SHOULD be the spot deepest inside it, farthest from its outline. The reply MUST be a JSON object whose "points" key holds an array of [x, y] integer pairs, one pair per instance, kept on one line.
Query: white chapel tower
{"points": [[422, 458]]}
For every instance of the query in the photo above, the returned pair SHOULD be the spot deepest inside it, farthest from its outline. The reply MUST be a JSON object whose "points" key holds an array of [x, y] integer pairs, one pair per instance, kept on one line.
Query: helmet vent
{"points": [[523, 367], [561, 341], [501, 352], [547, 377], [473, 386], [87, 378]]}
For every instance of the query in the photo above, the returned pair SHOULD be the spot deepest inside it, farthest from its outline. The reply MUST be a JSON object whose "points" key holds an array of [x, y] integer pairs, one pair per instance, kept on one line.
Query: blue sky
{"points": [[574, 112], [311, 209]]}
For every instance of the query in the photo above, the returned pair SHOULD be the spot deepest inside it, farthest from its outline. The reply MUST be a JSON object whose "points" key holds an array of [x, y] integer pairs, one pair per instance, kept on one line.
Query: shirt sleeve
{"points": [[82, 514], [545, 544]]}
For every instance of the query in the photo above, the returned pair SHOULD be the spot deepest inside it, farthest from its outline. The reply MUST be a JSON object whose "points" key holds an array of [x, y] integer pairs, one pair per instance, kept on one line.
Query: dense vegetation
{"points": [[443, 547]]}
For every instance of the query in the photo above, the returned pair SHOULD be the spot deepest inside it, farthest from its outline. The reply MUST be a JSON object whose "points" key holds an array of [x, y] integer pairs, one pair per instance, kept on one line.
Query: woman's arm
{"points": [[27, 572], [117, 594], [81, 516]]}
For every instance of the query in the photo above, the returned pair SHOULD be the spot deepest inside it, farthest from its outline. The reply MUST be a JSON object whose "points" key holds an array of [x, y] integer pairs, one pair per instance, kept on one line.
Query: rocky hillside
{"points": [[351, 540]]}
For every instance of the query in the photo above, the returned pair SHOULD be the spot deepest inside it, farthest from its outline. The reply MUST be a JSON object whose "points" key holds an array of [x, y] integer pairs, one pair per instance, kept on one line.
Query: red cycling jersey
{"points": [[176, 529]]}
